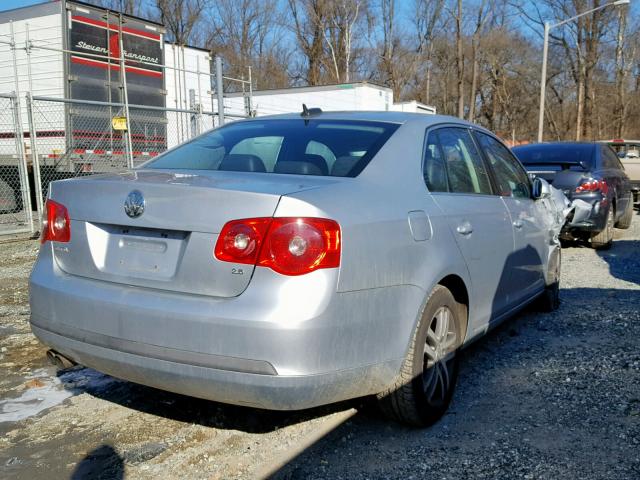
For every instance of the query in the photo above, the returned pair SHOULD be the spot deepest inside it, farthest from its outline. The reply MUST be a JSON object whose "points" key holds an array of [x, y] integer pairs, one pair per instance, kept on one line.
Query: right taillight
{"points": [[289, 246], [592, 185], [56, 225]]}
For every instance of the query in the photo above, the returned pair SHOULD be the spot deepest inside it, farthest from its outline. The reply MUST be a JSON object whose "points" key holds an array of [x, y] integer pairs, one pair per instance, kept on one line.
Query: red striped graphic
{"points": [[115, 67], [114, 27]]}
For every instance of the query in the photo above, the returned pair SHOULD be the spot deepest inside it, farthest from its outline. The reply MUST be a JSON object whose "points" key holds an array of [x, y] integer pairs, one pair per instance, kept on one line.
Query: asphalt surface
{"points": [[543, 396]]}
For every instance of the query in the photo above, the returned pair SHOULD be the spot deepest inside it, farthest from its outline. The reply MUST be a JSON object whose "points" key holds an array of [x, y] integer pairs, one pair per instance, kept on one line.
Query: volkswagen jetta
{"points": [[293, 261]]}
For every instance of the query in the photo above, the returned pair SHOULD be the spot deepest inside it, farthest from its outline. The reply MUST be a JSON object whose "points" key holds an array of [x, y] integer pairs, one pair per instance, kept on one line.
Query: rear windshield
{"points": [[554, 155], [339, 148]]}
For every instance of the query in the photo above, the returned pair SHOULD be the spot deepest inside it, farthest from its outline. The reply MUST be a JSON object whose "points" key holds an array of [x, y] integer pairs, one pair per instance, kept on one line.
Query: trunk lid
{"points": [[170, 245], [565, 176]]}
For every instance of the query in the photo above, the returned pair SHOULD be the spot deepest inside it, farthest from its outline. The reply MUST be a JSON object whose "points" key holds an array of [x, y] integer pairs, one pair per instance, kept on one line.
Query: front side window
{"points": [[341, 148], [463, 166], [511, 179]]}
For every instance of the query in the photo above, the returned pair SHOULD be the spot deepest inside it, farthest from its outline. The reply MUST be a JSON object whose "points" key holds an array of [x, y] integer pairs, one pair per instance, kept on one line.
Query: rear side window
{"points": [[340, 148], [610, 159], [511, 179], [452, 163], [434, 169]]}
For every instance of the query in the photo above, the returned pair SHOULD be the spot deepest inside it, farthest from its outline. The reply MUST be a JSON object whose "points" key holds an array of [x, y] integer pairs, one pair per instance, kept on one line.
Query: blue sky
{"points": [[9, 4], [403, 16]]}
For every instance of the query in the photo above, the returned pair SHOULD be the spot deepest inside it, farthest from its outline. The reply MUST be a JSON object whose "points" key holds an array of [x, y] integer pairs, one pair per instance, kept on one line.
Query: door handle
{"points": [[517, 224], [464, 228]]}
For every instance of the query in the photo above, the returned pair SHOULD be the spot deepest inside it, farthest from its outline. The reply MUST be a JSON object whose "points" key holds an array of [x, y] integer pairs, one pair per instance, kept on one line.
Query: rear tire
{"points": [[627, 218], [604, 240], [422, 392]]}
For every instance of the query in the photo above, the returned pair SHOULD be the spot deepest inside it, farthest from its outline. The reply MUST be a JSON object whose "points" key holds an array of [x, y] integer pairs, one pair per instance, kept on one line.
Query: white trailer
{"points": [[348, 96], [413, 106], [73, 57]]}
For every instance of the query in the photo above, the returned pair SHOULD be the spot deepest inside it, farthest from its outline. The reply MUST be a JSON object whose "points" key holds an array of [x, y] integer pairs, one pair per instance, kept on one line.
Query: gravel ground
{"points": [[543, 396]]}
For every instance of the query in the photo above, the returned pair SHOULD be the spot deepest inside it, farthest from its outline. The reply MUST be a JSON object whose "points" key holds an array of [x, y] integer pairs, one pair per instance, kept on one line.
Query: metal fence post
{"points": [[219, 91], [250, 93], [35, 157], [123, 79], [19, 137]]}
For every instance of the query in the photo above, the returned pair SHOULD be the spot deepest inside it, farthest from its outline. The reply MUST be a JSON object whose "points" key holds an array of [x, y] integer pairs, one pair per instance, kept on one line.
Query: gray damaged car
{"points": [[292, 261]]}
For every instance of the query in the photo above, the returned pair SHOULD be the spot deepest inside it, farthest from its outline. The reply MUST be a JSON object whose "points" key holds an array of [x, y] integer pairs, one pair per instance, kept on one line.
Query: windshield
{"points": [[339, 148], [556, 154]]}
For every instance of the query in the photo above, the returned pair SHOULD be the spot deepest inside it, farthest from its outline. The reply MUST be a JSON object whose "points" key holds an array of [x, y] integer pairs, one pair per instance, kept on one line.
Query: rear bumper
{"points": [[594, 223], [273, 392], [285, 343]]}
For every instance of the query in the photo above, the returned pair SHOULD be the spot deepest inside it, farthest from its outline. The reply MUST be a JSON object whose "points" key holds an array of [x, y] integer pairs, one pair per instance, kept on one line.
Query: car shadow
{"points": [[623, 260], [483, 403], [101, 462], [187, 409], [492, 405]]}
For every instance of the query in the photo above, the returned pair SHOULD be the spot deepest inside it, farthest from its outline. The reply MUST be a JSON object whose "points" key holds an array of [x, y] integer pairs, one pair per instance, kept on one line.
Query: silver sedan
{"points": [[292, 261]]}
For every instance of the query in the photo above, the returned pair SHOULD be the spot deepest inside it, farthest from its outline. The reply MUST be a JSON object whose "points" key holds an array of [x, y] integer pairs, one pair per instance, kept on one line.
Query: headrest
{"points": [[309, 164], [242, 163], [343, 165], [297, 168]]}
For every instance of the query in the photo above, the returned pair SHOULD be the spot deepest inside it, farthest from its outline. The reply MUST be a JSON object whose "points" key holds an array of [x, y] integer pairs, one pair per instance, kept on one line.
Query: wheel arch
{"points": [[456, 285]]}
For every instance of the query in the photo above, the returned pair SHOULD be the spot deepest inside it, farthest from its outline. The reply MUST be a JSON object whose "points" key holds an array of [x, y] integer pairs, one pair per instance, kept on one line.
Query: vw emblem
{"points": [[134, 204]]}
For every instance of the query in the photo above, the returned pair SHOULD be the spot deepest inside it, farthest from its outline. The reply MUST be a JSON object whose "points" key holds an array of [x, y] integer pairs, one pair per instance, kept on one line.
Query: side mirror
{"points": [[540, 188]]}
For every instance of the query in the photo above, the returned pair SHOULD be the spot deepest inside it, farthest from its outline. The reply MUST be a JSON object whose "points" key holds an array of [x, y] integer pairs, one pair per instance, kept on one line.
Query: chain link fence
{"points": [[73, 138], [15, 201], [52, 125], [63, 138]]}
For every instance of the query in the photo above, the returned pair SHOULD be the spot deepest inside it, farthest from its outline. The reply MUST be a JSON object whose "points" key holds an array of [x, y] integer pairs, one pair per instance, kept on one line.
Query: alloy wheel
{"points": [[439, 354]]}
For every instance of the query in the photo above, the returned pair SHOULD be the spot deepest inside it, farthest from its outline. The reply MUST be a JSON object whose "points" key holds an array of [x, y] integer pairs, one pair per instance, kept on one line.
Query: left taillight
{"points": [[56, 225], [290, 246]]}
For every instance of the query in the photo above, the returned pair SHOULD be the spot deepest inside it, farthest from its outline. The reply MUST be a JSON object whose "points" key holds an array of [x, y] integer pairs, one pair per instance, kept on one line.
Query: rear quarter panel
{"points": [[380, 257]]}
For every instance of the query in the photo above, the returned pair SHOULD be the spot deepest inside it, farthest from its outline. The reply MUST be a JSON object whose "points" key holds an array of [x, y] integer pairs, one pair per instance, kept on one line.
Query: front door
{"points": [[530, 237]]}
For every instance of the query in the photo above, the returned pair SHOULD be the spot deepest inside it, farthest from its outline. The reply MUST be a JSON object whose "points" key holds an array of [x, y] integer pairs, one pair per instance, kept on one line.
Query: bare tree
{"points": [[248, 33], [180, 17], [339, 33], [428, 15], [309, 19], [482, 16], [128, 7], [623, 69], [459, 58]]}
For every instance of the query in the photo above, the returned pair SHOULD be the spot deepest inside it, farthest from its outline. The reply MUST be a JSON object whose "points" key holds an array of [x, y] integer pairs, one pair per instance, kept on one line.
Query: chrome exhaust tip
{"points": [[60, 361]]}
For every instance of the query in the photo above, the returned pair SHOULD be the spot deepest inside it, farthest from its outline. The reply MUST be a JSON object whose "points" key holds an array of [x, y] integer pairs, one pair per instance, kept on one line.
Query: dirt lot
{"points": [[543, 396]]}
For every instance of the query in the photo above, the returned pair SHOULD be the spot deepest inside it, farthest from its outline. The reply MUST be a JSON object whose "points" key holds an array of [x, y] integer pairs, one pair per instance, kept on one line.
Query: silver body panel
{"points": [[261, 338]]}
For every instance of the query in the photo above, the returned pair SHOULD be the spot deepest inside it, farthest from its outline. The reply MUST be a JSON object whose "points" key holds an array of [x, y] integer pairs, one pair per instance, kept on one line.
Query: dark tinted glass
{"points": [[512, 180], [337, 148], [465, 169], [609, 158], [434, 170], [556, 154]]}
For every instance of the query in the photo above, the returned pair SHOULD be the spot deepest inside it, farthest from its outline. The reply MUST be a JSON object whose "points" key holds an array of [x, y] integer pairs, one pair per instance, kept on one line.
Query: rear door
{"points": [[530, 240], [616, 178], [458, 180]]}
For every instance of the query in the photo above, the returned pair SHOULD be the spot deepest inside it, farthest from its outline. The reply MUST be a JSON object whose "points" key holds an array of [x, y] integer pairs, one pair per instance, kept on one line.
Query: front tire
{"points": [[425, 385], [549, 300], [604, 240]]}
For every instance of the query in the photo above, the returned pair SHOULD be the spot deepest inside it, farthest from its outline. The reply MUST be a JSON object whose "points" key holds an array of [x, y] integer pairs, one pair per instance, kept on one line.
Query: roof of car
{"points": [[556, 144], [373, 116]]}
